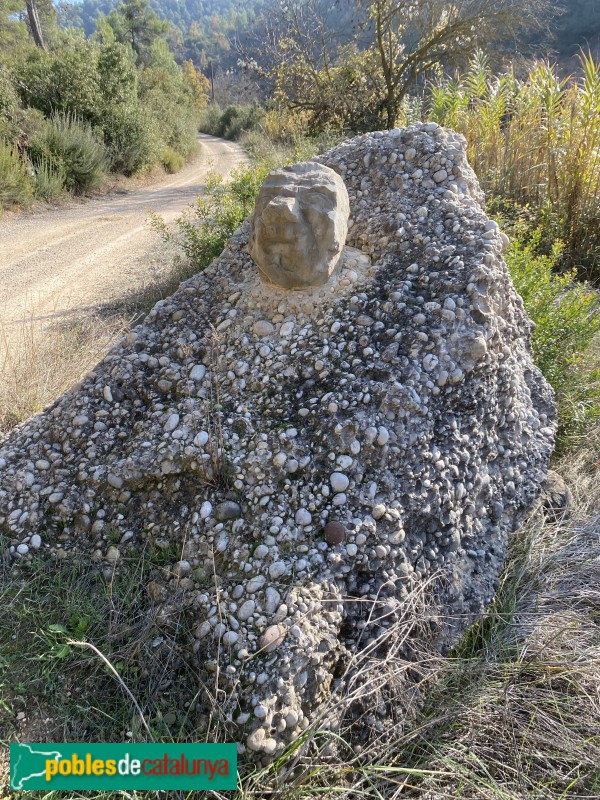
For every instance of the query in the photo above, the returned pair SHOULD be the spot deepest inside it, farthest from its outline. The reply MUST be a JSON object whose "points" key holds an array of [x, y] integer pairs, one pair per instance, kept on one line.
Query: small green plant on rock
{"points": [[203, 230]]}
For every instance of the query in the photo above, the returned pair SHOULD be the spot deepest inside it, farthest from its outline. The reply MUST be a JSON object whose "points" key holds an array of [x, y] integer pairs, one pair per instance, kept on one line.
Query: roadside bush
{"points": [[567, 317], [210, 120], [131, 139], [65, 81], [70, 145], [50, 179], [169, 101], [16, 186], [183, 136], [240, 119], [9, 108], [233, 121], [171, 160], [203, 230], [9, 100]]}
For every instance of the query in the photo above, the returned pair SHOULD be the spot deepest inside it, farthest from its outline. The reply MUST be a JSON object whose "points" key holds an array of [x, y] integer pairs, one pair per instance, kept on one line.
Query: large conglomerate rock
{"points": [[322, 452], [299, 225]]}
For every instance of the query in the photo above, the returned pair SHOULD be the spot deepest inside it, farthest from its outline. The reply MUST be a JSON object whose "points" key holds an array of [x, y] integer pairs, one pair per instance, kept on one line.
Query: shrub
{"points": [[65, 80], [210, 120], [169, 101], [9, 100], [233, 121], [240, 119], [171, 160], [131, 139], [203, 231], [50, 179], [16, 186], [9, 108], [567, 317], [70, 145]]}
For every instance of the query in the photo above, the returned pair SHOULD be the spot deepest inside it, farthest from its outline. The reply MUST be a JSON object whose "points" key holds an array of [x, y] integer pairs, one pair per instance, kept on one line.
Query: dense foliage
{"points": [[78, 107], [201, 30], [566, 315], [214, 30]]}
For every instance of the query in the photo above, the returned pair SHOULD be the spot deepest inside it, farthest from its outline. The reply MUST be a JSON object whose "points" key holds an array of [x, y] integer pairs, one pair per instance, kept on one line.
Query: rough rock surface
{"points": [[398, 400], [299, 225]]}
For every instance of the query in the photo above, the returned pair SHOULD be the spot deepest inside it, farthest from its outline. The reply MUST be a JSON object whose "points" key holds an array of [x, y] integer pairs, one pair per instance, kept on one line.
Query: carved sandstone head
{"points": [[300, 225]]}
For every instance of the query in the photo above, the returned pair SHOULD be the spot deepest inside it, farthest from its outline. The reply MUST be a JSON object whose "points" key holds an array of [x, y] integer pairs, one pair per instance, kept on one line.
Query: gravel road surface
{"points": [[65, 260]]}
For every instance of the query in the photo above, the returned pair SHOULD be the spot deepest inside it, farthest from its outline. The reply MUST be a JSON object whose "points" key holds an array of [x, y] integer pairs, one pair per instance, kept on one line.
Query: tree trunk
{"points": [[391, 109], [34, 23]]}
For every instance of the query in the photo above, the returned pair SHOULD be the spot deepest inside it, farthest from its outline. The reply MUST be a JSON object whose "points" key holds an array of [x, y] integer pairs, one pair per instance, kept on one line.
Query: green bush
{"points": [[169, 100], [16, 186], [240, 119], [171, 160], [9, 100], [65, 80], [210, 120], [233, 121], [566, 313], [131, 138], [50, 179], [70, 145], [9, 108], [203, 231]]}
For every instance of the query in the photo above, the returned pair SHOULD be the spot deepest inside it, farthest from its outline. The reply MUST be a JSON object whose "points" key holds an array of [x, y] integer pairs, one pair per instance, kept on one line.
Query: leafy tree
{"points": [[135, 24], [401, 41], [13, 30], [410, 38], [197, 83]]}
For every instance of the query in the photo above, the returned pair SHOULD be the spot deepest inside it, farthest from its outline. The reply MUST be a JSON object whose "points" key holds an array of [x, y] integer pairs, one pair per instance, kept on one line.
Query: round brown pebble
{"points": [[272, 638], [335, 533]]}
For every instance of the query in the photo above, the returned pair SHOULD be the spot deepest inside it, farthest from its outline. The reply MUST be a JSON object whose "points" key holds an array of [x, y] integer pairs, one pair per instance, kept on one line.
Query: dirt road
{"points": [[66, 260]]}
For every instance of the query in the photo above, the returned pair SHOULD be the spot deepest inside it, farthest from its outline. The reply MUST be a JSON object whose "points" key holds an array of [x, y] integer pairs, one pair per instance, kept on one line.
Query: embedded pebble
{"points": [[272, 638], [335, 533], [228, 510], [172, 422], [303, 517], [339, 481]]}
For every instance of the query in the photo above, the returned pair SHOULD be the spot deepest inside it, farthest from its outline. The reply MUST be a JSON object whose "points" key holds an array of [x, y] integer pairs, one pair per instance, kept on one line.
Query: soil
{"points": [[67, 260]]}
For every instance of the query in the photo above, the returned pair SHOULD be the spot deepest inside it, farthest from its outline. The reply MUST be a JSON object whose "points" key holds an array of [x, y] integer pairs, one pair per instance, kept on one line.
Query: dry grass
{"points": [[38, 363], [535, 143]]}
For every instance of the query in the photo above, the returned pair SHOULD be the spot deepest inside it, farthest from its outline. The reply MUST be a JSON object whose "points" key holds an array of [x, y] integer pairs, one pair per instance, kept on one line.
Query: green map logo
{"points": [[123, 766]]}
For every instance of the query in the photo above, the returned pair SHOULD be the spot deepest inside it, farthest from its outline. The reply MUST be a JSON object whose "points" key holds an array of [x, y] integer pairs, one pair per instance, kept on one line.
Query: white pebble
{"points": [[303, 517], [277, 569], [383, 436], [172, 422], [339, 481], [205, 510]]}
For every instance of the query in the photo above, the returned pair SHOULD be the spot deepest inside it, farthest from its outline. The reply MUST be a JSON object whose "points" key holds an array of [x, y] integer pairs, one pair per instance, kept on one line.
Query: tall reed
{"points": [[536, 143]]}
